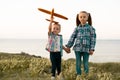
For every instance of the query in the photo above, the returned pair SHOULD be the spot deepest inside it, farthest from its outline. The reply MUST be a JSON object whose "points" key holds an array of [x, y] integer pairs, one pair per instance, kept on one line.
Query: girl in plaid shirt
{"points": [[84, 37]]}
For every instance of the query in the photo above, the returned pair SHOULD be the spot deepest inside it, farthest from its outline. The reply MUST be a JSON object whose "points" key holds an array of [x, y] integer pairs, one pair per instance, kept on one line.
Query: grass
{"points": [[22, 66]]}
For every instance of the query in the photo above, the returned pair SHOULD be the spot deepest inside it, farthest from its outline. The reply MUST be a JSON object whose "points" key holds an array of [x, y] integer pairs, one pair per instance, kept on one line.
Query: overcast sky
{"points": [[21, 18]]}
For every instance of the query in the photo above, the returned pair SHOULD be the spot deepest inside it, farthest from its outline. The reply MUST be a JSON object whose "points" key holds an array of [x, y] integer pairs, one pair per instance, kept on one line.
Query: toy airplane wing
{"points": [[52, 21], [52, 13]]}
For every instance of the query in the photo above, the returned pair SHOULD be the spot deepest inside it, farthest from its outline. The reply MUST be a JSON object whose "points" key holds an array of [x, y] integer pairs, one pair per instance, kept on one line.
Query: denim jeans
{"points": [[55, 58], [79, 56]]}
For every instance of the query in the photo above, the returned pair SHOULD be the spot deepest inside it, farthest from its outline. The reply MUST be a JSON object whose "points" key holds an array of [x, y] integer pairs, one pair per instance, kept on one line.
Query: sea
{"points": [[105, 50]]}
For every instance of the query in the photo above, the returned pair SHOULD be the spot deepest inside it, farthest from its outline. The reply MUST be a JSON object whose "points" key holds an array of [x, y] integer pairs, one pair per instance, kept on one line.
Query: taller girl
{"points": [[84, 37]]}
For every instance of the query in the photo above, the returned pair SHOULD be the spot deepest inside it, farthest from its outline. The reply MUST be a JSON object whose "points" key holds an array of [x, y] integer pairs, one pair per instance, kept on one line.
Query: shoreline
{"points": [[32, 55], [105, 51]]}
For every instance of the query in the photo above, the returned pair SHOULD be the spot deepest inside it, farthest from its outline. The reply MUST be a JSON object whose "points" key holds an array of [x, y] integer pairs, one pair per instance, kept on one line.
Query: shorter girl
{"points": [[84, 37], [55, 46]]}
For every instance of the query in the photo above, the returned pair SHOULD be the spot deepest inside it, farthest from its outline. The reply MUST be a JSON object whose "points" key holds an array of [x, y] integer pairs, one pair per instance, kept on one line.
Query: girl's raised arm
{"points": [[50, 26]]}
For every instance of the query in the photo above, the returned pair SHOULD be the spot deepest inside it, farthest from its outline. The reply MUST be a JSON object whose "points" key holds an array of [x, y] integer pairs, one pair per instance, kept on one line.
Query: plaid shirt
{"points": [[84, 38]]}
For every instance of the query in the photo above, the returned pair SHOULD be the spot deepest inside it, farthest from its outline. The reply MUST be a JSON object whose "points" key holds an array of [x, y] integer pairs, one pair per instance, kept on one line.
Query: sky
{"points": [[20, 19]]}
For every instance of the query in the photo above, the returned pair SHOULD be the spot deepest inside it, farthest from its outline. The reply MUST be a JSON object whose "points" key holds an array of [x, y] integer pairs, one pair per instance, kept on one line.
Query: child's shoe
{"points": [[52, 78], [60, 77], [78, 77]]}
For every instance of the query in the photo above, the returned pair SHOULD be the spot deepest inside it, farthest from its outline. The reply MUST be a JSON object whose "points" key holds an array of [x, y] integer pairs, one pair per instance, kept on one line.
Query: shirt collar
{"points": [[83, 25]]}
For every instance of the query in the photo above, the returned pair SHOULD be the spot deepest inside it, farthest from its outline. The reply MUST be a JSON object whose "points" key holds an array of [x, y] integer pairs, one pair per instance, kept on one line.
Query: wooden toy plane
{"points": [[52, 14]]}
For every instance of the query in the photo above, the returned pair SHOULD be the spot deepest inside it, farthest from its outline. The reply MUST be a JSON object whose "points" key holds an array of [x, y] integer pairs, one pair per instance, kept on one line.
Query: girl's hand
{"points": [[50, 26], [91, 52], [67, 50], [51, 19]]}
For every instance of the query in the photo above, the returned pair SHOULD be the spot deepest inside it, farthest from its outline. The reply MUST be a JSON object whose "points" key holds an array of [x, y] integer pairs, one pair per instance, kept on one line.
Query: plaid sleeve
{"points": [[72, 39], [93, 39]]}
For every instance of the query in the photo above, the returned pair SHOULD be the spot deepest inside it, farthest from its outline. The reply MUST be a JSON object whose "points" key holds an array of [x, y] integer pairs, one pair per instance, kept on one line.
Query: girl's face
{"points": [[83, 17], [55, 29]]}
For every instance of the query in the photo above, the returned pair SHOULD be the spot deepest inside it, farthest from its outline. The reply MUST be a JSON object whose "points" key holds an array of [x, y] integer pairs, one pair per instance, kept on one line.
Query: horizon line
{"points": [[63, 39]]}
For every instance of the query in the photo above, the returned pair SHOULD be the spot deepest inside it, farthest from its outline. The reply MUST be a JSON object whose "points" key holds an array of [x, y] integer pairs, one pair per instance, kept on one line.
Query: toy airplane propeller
{"points": [[52, 14]]}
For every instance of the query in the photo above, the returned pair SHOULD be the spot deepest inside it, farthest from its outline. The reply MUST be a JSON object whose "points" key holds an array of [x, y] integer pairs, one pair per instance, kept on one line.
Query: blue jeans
{"points": [[85, 56], [55, 58]]}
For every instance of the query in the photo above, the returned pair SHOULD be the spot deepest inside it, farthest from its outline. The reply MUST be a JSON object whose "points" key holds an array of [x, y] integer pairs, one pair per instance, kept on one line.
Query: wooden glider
{"points": [[52, 14]]}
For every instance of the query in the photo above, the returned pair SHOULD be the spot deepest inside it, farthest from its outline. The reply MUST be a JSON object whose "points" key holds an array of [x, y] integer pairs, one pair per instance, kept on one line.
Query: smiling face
{"points": [[56, 28], [83, 17]]}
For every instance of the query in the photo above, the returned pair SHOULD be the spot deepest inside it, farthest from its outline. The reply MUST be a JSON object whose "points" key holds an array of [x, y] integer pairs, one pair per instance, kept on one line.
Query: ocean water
{"points": [[105, 51]]}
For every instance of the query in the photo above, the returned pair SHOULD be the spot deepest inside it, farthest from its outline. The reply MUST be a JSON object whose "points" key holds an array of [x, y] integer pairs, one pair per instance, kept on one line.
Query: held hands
{"points": [[67, 50], [91, 52]]}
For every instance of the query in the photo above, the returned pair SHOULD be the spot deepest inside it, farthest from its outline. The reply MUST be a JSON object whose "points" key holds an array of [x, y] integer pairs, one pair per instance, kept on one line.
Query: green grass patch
{"points": [[22, 66]]}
